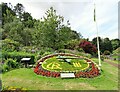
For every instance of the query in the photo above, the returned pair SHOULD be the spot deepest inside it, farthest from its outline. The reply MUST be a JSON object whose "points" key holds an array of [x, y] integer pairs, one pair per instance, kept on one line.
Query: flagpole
{"points": [[97, 36], [98, 46]]}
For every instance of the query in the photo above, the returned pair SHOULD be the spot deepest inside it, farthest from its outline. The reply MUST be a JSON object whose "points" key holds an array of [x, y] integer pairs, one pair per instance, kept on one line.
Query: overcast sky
{"points": [[80, 14]]}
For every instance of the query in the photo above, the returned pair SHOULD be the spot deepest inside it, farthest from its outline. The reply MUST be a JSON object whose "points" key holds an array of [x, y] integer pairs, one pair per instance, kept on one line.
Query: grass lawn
{"points": [[26, 78]]}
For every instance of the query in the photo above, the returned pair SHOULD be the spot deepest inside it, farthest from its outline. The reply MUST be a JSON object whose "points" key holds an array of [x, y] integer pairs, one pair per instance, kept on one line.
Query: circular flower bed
{"points": [[54, 64]]}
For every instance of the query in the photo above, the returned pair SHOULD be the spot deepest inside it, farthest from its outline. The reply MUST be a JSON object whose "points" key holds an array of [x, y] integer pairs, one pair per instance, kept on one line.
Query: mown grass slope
{"points": [[26, 78]]}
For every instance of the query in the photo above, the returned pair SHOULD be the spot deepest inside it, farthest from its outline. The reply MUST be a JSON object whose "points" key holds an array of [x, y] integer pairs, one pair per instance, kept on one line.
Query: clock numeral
{"points": [[54, 66], [77, 64]]}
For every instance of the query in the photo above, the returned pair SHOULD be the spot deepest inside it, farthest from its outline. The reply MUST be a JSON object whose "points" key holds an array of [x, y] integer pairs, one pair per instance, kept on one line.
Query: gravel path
{"points": [[114, 64]]}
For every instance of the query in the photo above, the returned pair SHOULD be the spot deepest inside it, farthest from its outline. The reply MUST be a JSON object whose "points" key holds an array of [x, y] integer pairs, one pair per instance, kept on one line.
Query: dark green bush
{"points": [[9, 64], [12, 63]]}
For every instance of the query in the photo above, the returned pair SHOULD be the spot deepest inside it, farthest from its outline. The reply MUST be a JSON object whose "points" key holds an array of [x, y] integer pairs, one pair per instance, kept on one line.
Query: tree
{"points": [[1, 31], [27, 20], [47, 29], [27, 36], [51, 32], [75, 35], [67, 37], [7, 13], [94, 41], [19, 9], [14, 30], [48, 32], [101, 44], [115, 43], [8, 18], [72, 44], [107, 44], [65, 34]]}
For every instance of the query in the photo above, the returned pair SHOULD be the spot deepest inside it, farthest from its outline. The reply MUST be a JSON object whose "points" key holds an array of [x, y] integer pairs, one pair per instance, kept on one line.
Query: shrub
{"points": [[80, 49], [117, 51], [61, 51], [38, 57], [18, 56], [88, 55], [88, 47], [106, 52], [9, 64], [46, 53], [10, 45], [72, 44], [26, 49], [12, 63], [43, 50], [102, 57], [29, 49], [67, 51], [5, 68]]}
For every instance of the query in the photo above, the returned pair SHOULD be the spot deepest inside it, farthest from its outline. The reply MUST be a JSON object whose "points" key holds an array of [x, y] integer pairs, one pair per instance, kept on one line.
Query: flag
{"points": [[94, 15]]}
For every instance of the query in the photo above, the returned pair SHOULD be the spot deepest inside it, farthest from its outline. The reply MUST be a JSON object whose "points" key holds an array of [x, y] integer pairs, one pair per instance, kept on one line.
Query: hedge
{"points": [[18, 56]]}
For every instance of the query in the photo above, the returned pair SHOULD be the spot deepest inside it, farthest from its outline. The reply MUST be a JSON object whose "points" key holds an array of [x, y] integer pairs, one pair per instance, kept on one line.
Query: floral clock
{"points": [[55, 64]]}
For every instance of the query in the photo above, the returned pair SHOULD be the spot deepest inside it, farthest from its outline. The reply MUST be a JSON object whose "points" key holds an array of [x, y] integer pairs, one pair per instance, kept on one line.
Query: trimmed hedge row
{"points": [[18, 56]]}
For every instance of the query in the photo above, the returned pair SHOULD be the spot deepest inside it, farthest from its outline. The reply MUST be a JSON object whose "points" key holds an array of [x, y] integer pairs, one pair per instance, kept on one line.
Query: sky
{"points": [[80, 14]]}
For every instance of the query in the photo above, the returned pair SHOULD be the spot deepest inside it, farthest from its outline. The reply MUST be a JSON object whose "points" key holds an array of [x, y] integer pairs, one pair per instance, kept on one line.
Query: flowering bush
{"points": [[88, 47]]}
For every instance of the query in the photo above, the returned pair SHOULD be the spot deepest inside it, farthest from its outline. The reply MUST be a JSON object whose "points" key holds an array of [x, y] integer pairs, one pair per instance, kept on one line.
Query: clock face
{"points": [[65, 63], [55, 65]]}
